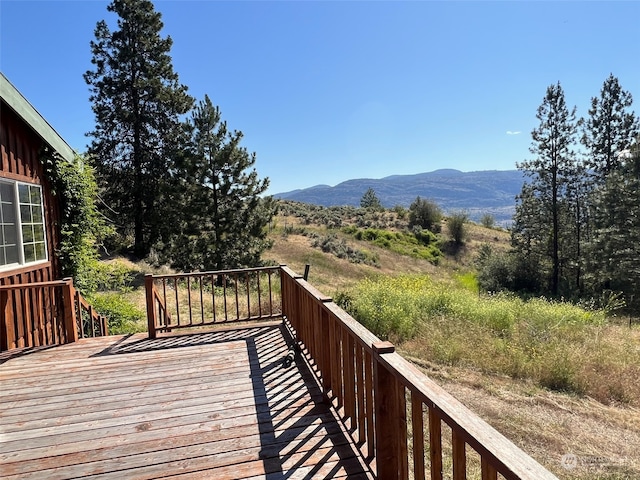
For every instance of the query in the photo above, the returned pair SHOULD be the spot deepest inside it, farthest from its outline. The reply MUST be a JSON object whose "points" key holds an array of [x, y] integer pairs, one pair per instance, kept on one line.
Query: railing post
{"points": [[151, 310], [70, 325], [104, 325], [390, 418], [6, 327]]}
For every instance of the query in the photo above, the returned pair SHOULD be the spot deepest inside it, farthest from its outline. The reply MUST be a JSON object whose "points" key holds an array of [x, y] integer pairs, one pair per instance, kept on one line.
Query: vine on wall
{"points": [[82, 227]]}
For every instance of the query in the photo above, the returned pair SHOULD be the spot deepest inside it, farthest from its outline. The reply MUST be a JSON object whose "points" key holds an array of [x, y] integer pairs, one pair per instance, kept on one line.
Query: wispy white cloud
{"points": [[509, 132]]}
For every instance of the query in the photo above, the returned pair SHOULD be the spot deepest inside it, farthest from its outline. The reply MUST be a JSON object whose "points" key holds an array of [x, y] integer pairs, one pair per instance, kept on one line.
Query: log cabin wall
{"points": [[22, 321]]}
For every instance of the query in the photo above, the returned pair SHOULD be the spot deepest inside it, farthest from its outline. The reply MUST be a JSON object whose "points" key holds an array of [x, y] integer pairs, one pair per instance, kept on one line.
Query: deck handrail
{"points": [[372, 388], [204, 299], [46, 313]]}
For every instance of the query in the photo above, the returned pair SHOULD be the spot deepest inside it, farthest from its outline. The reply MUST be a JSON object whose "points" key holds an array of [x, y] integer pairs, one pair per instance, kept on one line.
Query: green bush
{"points": [[498, 272], [456, 226], [419, 244], [425, 214], [424, 237], [553, 343], [123, 316]]}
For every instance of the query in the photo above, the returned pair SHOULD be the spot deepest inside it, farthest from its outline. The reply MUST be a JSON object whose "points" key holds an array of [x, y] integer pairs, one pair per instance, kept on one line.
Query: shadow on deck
{"points": [[206, 405]]}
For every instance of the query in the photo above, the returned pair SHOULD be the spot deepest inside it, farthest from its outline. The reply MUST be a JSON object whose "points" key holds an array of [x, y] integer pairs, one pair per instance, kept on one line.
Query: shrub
{"points": [[339, 247], [487, 220], [425, 237], [400, 211], [509, 271], [426, 214], [456, 226], [123, 316], [421, 244]]}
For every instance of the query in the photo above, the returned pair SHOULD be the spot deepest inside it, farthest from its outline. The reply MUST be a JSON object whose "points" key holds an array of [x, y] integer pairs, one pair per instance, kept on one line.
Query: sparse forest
{"points": [[577, 223]]}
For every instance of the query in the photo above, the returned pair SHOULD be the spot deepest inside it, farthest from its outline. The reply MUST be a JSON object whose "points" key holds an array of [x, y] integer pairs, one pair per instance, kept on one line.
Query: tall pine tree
{"points": [[551, 173], [612, 252], [224, 217], [137, 101], [609, 128]]}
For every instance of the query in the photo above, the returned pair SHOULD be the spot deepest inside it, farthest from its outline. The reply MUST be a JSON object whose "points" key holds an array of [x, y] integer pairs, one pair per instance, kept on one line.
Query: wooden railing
{"points": [[204, 299], [46, 313], [396, 415], [90, 323]]}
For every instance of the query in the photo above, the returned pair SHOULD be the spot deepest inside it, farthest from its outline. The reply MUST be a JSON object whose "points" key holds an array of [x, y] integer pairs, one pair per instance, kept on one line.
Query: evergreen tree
{"points": [[551, 173], [614, 252], [530, 229], [614, 214], [610, 127], [137, 101], [425, 214], [370, 200], [222, 218]]}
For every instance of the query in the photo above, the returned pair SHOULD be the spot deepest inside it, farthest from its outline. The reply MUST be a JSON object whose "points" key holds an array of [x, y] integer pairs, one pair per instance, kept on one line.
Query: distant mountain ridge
{"points": [[476, 193]]}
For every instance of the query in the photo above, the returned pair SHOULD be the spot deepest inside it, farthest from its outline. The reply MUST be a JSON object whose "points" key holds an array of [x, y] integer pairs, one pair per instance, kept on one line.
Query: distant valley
{"points": [[476, 193]]}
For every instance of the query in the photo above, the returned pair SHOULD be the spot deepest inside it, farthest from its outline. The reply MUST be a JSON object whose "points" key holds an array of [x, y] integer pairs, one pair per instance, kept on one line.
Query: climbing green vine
{"points": [[82, 227]]}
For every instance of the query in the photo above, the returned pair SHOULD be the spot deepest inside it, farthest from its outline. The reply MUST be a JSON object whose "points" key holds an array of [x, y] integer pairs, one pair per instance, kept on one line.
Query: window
{"points": [[22, 233]]}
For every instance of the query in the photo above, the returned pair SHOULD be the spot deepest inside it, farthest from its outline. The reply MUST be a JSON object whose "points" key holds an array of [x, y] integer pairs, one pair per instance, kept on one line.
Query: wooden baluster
{"points": [[93, 325], [269, 273], [105, 326], [151, 311], [316, 329], [71, 328], [259, 295], [201, 300], [335, 366], [348, 348], [417, 425], [78, 308], [235, 288], [248, 287], [189, 299], [360, 395], [224, 296], [325, 346], [459, 456], [175, 289], [369, 404], [6, 323], [435, 444], [488, 472]]}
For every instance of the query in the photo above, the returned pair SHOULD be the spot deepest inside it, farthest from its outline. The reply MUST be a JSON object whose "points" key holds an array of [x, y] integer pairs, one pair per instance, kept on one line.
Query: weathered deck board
{"points": [[211, 405]]}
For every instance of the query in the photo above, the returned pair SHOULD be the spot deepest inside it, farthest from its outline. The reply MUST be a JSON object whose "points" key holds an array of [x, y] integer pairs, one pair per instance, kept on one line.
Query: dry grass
{"points": [[329, 273], [549, 425]]}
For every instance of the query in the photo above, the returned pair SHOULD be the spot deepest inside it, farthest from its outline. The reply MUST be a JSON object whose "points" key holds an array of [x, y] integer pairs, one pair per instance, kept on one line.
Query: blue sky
{"points": [[329, 91]]}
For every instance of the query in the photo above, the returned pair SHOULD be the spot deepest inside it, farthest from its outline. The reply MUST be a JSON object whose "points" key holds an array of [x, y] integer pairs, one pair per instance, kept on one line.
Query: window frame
{"points": [[19, 224]]}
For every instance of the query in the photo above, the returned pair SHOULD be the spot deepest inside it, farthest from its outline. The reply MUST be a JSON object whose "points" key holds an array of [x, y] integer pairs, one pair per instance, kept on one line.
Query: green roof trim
{"points": [[19, 104]]}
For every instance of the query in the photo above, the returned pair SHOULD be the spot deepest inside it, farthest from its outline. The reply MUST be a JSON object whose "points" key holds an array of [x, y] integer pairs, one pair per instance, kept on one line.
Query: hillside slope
{"points": [[548, 425]]}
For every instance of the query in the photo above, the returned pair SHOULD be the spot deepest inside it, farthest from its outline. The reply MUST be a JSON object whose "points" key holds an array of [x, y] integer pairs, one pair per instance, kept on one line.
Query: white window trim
{"points": [[19, 237]]}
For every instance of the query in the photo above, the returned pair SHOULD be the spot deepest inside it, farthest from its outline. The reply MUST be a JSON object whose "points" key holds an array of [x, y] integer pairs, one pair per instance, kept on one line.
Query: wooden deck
{"points": [[216, 405]]}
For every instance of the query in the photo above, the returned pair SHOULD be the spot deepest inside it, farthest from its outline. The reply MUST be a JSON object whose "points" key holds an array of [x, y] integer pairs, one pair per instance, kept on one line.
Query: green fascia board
{"points": [[19, 104]]}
